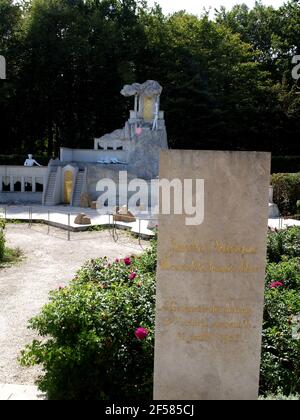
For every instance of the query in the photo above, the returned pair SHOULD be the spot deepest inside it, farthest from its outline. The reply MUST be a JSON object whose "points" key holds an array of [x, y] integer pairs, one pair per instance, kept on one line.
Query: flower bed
{"points": [[99, 331], [280, 370]]}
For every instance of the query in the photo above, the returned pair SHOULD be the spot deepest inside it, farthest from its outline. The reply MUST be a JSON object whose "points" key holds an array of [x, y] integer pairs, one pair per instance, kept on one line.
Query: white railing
{"points": [[10, 175]]}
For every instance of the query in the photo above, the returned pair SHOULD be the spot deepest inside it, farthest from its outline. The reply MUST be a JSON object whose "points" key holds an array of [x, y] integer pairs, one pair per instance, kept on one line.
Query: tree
{"points": [[227, 82]]}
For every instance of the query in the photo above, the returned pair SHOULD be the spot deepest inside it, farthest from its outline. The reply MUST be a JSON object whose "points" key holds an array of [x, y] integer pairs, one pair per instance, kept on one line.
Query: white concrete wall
{"points": [[91, 156], [22, 174]]}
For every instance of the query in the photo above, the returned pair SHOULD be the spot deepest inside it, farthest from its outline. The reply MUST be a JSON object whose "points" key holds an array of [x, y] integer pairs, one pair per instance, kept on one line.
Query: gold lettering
{"points": [[234, 249], [210, 267], [212, 246], [206, 337], [214, 309]]}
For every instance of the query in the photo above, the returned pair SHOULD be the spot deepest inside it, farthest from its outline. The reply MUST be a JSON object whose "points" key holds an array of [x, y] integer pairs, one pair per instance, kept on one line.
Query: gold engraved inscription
{"points": [[207, 323], [208, 252]]}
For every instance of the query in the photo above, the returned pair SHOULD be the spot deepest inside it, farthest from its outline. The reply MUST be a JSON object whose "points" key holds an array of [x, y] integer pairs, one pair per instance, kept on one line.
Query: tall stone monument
{"points": [[210, 289]]}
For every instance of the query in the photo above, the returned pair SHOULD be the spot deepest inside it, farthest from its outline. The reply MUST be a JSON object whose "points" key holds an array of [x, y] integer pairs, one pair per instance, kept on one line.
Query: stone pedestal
{"points": [[210, 282]]}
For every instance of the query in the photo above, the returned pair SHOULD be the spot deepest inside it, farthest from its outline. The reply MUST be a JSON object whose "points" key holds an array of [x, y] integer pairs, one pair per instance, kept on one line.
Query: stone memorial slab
{"points": [[210, 289]]}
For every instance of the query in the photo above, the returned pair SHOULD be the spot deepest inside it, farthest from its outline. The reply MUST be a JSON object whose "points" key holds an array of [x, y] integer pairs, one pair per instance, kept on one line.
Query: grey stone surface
{"points": [[210, 288], [82, 219], [20, 198], [274, 212], [144, 159], [149, 88]]}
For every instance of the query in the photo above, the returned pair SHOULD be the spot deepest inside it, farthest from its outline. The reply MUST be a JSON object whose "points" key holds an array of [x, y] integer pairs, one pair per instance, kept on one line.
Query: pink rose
{"points": [[141, 333], [127, 261], [117, 260], [132, 276], [276, 285]]}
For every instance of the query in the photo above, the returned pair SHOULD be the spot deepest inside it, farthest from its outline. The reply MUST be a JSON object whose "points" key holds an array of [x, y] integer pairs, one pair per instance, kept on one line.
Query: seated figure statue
{"points": [[30, 161]]}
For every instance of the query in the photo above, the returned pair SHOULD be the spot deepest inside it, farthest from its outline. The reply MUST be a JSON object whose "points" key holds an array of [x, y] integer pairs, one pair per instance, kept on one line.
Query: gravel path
{"points": [[49, 261]]}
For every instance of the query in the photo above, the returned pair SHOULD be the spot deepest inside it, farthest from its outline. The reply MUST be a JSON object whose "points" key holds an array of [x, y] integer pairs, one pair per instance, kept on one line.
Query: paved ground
{"points": [[283, 223], [49, 262], [19, 393]]}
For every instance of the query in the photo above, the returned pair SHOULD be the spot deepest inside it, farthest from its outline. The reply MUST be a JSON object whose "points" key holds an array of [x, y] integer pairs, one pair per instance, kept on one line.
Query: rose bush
{"points": [[280, 368], [98, 333], [284, 245], [286, 272]]}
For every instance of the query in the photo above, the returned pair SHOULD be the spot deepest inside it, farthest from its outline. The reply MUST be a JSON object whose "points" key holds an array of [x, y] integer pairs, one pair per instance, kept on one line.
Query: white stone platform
{"points": [[280, 223], [59, 216], [20, 393]]}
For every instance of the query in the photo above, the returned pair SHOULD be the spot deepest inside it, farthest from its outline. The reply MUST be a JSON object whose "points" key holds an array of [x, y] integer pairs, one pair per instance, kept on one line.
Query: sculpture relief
{"points": [[30, 162]]}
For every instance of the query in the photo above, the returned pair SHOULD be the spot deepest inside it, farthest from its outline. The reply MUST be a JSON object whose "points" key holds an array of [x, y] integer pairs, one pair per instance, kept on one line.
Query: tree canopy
{"points": [[227, 81]]}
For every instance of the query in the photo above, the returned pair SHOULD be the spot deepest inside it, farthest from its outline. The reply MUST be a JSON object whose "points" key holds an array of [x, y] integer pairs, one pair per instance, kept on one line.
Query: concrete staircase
{"points": [[49, 197], [78, 189]]}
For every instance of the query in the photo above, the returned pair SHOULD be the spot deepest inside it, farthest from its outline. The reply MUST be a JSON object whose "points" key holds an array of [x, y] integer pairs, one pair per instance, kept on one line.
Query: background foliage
{"points": [[287, 192], [227, 81]]}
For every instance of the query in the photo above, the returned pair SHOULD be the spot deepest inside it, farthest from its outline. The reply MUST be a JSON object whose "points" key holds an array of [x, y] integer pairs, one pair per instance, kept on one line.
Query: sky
{"points": [[196, 6]]}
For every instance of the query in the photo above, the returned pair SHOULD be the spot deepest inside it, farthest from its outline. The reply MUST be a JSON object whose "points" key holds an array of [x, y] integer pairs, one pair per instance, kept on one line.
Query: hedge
{"points": [[286, 192]]}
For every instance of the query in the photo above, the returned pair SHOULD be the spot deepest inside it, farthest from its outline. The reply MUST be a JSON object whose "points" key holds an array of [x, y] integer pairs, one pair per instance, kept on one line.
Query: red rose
{"points": [[276, 285], [127, 261], [141, 333], [132, 276]]}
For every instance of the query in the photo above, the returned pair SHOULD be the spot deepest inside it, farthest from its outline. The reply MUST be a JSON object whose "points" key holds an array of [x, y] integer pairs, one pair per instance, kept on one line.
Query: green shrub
{"points": [[147, 262], [280, 367], [286, 192], [287, 273], [280, 397], [284, 244], [92, 352]]}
